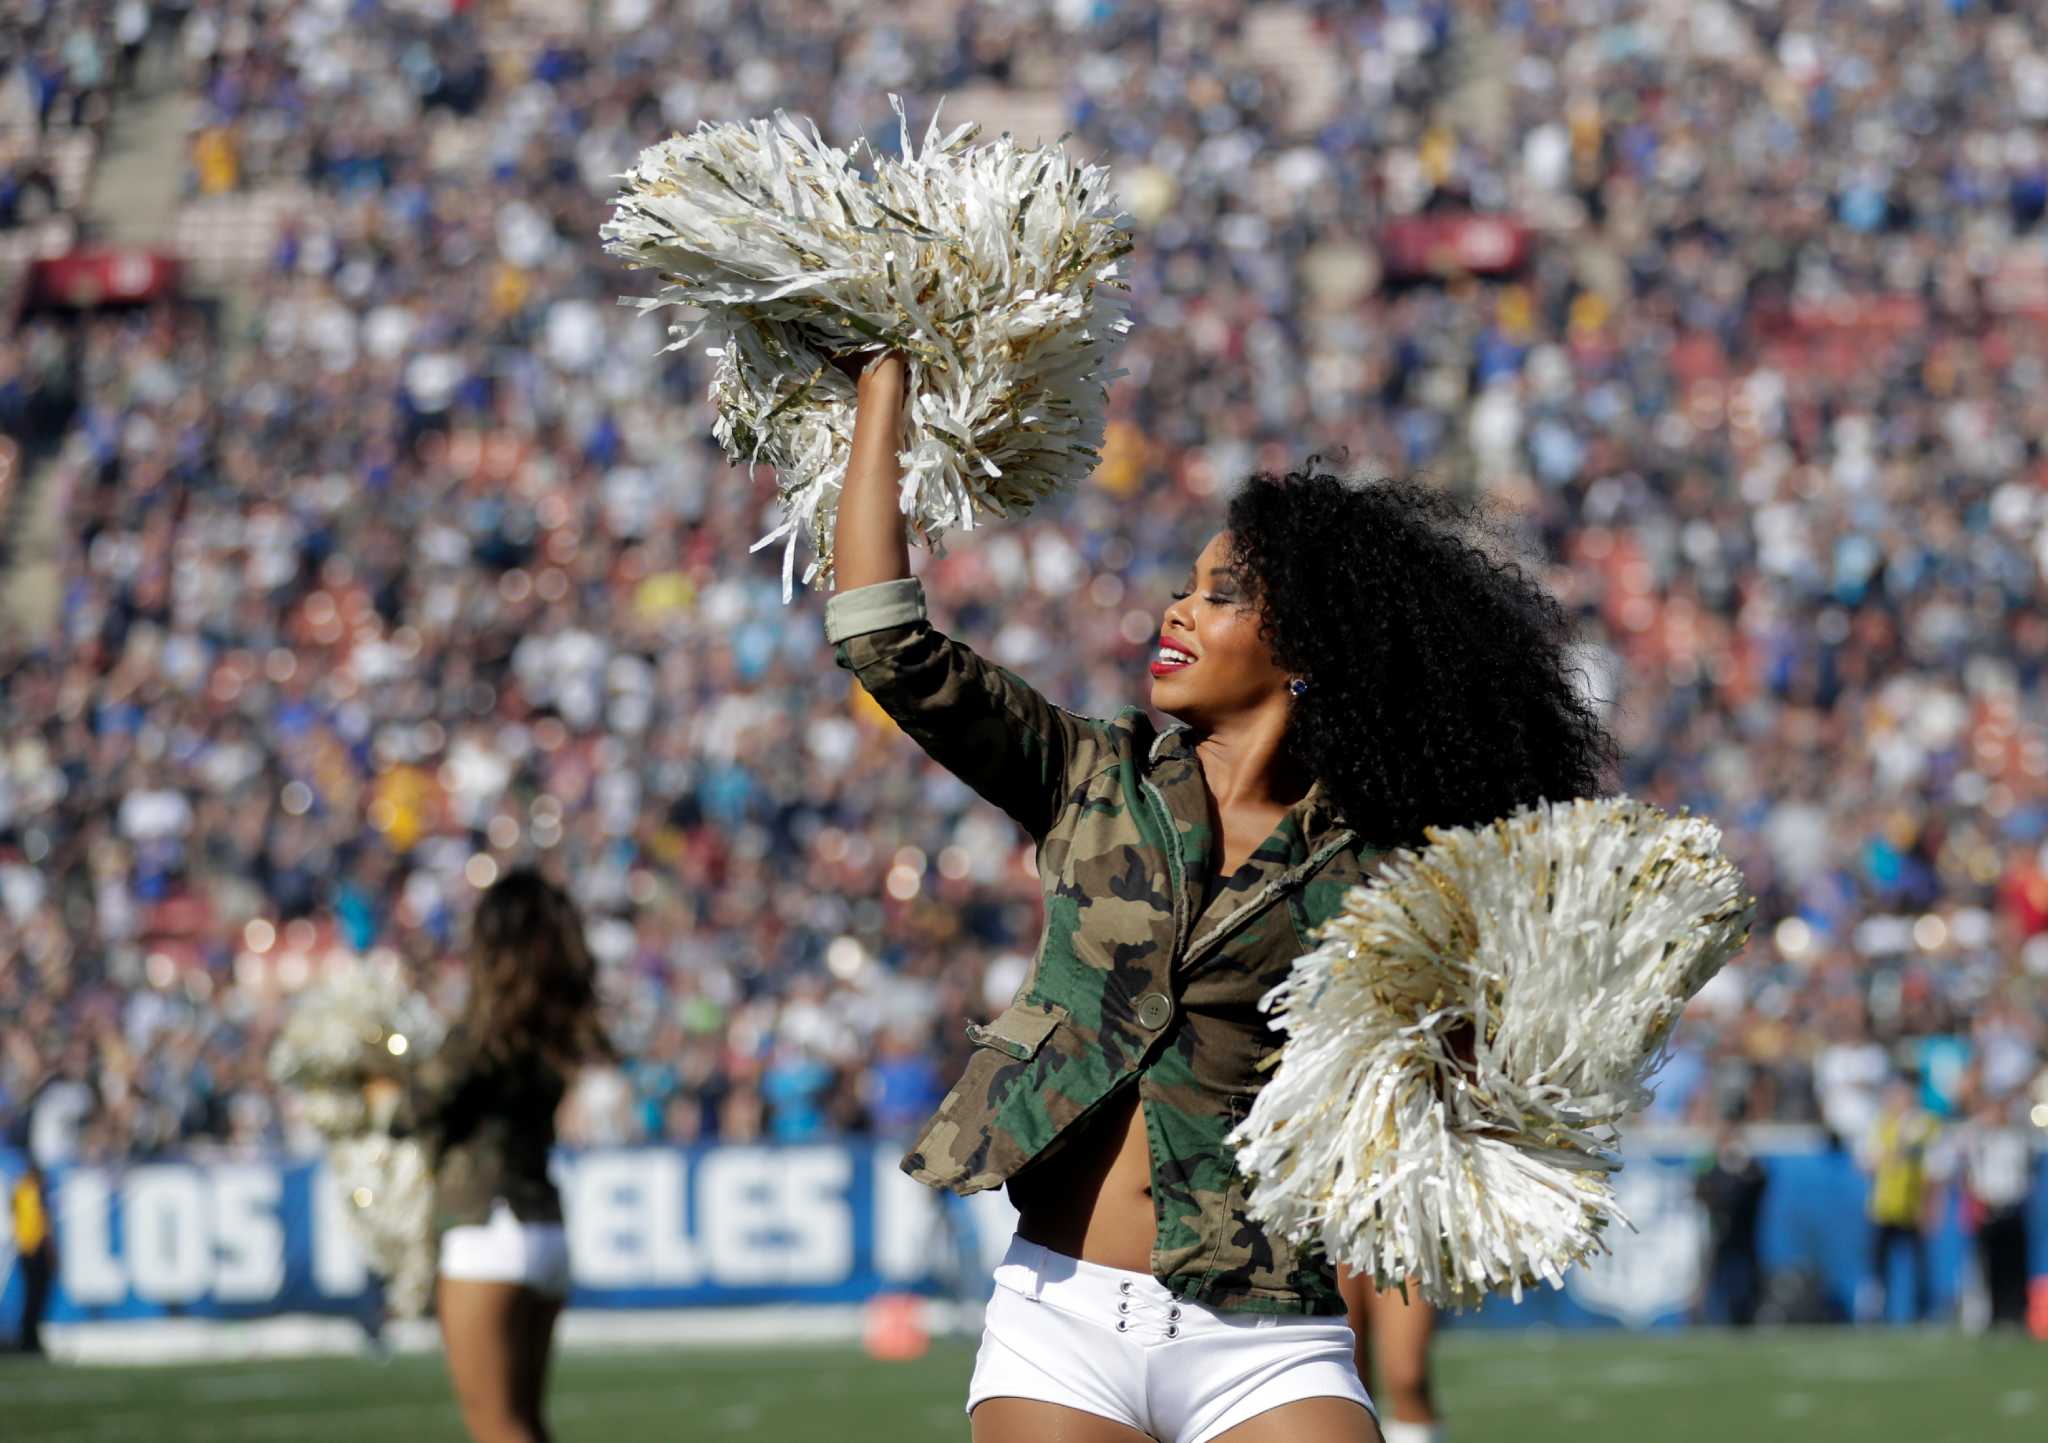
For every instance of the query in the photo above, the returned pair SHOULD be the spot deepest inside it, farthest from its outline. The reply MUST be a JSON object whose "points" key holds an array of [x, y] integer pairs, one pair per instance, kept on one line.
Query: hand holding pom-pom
{"points": [[1470, 1032], [992, 269], [338, 1049]]}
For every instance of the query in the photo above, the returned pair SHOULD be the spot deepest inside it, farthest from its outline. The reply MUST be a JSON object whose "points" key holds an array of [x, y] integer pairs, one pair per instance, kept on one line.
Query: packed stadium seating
{"points": [[415, 560]]}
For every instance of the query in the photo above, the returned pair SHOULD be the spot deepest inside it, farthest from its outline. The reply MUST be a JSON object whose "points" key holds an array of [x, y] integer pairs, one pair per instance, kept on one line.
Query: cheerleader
{"points": [[1345, 665], [485, 1104]]}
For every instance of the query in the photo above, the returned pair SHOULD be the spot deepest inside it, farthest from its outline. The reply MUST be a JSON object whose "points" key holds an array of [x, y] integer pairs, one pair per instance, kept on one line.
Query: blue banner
{"points": [[1813, 1233], [651, 1227], [660, 1227]]}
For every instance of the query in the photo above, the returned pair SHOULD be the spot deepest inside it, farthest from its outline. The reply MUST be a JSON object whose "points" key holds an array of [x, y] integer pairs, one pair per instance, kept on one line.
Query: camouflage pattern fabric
{"points": [[489, 1124], [1140, 978]]}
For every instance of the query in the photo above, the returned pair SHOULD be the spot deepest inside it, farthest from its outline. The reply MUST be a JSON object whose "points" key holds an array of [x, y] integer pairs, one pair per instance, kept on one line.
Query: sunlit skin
{"points": [[1232, 684], [1233, 694], [1397, 1330]]}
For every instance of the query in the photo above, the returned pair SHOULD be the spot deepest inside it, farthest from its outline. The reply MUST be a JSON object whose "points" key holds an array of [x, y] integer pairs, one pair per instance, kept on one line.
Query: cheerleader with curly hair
{"points": [[1345, 665]]}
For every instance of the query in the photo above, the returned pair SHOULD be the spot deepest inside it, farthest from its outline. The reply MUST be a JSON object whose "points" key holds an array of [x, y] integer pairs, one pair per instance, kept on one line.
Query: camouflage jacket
{"points": [[489, 1125], [1139, 978]]}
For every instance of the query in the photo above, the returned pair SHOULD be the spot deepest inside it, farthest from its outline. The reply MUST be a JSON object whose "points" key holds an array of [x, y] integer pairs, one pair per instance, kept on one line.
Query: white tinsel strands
{"points": [[992, 268], [1468, 1034], [388, 1183], [358, 1024]]}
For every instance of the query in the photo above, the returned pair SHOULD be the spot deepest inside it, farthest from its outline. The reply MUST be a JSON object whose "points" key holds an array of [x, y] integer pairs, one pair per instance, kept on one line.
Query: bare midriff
{"points": [[1093, 1198]]}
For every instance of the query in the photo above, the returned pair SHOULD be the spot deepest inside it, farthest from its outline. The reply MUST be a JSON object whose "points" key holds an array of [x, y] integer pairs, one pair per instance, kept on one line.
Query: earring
{"points": [[1297, 687]]}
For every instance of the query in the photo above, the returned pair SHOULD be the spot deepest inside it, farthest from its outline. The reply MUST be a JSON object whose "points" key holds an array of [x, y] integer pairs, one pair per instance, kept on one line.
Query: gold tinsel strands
{"points": [[362, 1022], [1469, 1033], [992, 268]]}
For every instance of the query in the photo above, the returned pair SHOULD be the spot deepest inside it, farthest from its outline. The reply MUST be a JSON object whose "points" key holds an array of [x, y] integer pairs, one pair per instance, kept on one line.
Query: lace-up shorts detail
{"points": [[1119, 1345]]}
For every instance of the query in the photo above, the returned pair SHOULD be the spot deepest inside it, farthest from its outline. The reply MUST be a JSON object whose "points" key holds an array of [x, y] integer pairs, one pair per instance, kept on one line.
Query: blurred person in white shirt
{"points": [[1997, 1157], [62, 1107], [1849, 1075], [599, 1110]]}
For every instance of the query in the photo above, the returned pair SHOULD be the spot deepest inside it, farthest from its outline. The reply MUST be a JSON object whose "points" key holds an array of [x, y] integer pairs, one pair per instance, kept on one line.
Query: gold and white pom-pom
{"points": [[992, 268], [1468, 1034], [358, 1022], [388, 1185], [363, 1022]]}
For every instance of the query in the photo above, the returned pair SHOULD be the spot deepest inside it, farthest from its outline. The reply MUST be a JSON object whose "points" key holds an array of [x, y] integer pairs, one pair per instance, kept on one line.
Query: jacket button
{"points": [[1154, 1008]]}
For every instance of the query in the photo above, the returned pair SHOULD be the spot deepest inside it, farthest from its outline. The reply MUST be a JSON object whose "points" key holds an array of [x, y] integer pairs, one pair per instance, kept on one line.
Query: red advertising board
{"points": [[87, 278], [1452, 244]]}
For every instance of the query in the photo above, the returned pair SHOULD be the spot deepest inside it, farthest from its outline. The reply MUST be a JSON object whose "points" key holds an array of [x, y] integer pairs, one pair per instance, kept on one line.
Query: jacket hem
{"points": [[1280, 1302], [525, 1207], [962, 1185], [1254, 1300]]}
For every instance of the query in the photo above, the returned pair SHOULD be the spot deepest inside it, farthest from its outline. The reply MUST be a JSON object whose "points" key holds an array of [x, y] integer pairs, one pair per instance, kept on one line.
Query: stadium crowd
{"points": [[418, 561]]}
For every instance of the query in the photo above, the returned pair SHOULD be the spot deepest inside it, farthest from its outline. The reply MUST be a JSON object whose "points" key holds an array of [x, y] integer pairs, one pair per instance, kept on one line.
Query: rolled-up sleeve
{"points": [[982, 723], [884, 606]]}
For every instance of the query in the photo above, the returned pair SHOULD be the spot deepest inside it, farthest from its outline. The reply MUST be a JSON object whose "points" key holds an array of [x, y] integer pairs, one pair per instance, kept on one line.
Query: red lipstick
{"points": [[1171, 657]]}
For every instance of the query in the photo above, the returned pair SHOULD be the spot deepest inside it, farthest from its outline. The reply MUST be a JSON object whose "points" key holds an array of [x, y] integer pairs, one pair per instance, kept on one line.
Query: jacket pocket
{"points": [[1020, 1030]]}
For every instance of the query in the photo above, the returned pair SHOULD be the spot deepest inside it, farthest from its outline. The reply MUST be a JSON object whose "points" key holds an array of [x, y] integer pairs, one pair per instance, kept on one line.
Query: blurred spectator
{"points": [[27, 194], [1849, 1074], [60, 1109], [599, 1111], [903, 1083], [1731, 1191], [1997, 1172], [35, 1254], [1898, 1158], [796, 1085]]}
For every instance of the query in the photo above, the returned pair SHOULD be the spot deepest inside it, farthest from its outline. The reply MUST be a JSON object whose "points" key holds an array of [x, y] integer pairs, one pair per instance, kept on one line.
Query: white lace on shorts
{"points": [[1121, 1346]]}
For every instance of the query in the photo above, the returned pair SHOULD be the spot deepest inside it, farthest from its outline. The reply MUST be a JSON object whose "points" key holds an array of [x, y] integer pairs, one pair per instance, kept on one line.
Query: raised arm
{"points": [[420, 1104], [980, 722], [867, 541]]}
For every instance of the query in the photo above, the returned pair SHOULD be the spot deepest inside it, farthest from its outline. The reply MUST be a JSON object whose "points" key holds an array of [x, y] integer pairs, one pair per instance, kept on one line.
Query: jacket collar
{"points": [[1171, 762], [1307, 835]]}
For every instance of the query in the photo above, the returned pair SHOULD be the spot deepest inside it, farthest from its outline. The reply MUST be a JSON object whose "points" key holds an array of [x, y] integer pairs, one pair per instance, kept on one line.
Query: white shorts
{"points": [[506, 1250], [1119, 1345]]}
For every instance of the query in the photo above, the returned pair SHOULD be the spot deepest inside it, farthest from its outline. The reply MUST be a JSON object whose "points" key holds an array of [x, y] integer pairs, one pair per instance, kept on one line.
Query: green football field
{"points": [[1802, 1387]]}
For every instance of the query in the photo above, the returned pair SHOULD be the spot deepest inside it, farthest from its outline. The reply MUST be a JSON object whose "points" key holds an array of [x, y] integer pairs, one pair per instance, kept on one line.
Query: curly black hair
{"points": [[1440, 686]]}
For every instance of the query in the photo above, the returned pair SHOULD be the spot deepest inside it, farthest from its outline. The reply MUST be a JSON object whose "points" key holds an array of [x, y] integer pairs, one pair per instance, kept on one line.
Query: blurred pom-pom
{"points": [[1470, 1031], [992, 268], [360, 1023], [388, 1185]]}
